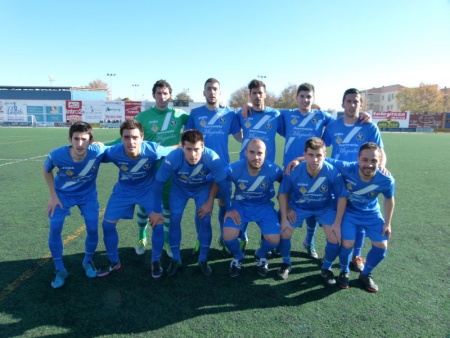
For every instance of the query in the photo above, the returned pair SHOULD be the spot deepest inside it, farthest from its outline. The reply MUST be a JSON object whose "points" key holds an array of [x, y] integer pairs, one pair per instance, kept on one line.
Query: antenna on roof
{"points": [[52, 79]]}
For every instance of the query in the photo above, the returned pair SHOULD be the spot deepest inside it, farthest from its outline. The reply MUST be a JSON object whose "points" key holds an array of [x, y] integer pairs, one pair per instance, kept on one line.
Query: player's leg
{"points": [[308, 243], [204, 232], [230, 235], [348, 234], [142, 223], [166, 214], [90, 210], [267, 220], [358, 260]]}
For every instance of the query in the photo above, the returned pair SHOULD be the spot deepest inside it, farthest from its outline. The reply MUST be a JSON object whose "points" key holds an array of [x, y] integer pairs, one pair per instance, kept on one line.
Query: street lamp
{"points": [[261, 76], [135, 87], [110, 84]]}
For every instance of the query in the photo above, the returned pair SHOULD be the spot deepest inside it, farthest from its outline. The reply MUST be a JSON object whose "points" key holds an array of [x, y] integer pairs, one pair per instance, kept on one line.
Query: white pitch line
{"points": [[17, 161]]}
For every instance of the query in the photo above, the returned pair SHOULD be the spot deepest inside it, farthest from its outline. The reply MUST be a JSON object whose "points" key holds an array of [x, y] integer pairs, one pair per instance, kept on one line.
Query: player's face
{"points": [[193, 152], [257, 96], [80, 142], [369, 161], [305, 101], [352, 104], [162, 97], [132, 141], [314, 159], [255, 154], [212, 93]]}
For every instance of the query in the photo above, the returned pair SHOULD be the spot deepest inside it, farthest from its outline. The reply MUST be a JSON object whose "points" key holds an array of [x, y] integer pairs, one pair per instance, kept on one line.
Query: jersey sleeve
{"points": [[48, 163]]}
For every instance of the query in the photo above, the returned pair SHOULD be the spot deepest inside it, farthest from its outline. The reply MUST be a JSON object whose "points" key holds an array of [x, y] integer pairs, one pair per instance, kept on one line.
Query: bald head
{"points": [[255, 152]]}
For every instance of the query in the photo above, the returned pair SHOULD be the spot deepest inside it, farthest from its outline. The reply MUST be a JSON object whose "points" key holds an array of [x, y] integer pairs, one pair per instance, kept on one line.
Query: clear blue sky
{"points": [[332, 44]]}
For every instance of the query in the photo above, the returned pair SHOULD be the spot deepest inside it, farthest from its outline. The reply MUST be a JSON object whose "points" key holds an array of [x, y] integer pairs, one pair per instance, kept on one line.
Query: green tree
{"points": [[425, 98], [238, 98], [99, 84], [288, 97], [183, 96]]}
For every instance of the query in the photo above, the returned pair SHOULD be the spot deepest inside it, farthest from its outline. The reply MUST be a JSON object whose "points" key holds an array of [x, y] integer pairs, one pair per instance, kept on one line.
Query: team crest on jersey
{"points": [[349, 186], [315, 120], [338, 140], [147, 166], [372, 194], [360, 137], [94, 168], [202, 174], [268, 125], [242, 186], [155, 128], [323, 188], [222, 120], [183, 177], [294, 121], [303, 190], [248, 124], [123, 167], [173, 123], [203, 122], [69, 172], [264, 185]]}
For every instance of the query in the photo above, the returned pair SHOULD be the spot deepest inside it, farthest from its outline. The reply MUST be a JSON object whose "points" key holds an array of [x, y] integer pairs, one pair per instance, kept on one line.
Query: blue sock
{"points": [[157, 242], [55, 244], [91, 242], [234, 248], [359, 241], [221, 215], [205, 237], [331, 252], [175, 235], [311, 228], [266, 246], [285, 250], [345, 257], [111, 240], [374, 257]]}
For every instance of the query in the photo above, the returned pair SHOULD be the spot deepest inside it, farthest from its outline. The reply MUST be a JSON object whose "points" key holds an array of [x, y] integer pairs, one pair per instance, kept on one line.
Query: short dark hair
{"points": [[131, 124], [350, 91], [159, 84], [305, 87], [314, 143], [256, 84], [211, 80], [192, 136], [81, 127], [369, 145]]}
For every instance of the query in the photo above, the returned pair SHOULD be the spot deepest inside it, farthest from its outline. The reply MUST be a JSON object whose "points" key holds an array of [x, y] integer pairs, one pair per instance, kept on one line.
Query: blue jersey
{"points": [[74, 179], [136, 173], [253, 190], [363, 196], [312, 193], [262, 125], [346, 140], [297, 128], [215, 126]]}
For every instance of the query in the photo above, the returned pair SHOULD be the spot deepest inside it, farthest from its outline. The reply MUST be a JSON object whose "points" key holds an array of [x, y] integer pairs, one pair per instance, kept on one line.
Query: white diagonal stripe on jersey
{"points": [[317, 184], [288, 144], [306, 120], [366, 189], [256, 183], [196, 170], [261, 123], [166, 121], [82, 173], [138, 165], [351, 134], [215, 118]]}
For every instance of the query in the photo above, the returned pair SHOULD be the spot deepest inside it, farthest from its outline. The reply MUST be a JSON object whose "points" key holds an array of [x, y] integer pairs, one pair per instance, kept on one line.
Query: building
{"points": [[382, 98]]}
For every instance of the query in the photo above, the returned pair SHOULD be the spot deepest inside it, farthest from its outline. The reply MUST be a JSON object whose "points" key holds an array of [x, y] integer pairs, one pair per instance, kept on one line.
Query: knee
{"points": [[286, 233], [347, 244], [272, 239], [230, 233], [381, 245]]}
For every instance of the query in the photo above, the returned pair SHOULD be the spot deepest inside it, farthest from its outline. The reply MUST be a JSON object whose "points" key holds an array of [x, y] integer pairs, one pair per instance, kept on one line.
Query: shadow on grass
{"points": [[129, 301]]}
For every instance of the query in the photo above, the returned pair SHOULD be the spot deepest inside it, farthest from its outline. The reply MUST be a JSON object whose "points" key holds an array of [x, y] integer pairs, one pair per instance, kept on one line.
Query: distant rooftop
{"points": [[50, 88]]}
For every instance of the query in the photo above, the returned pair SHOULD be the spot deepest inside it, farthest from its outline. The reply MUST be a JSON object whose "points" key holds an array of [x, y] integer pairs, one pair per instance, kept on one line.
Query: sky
{"points": [[335, 45]]}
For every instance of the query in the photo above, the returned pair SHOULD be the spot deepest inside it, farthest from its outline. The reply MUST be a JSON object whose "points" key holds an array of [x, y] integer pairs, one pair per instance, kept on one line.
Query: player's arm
{"points": [[293, 164], [207, 207], [389, 204], [383, 159], [287, 215], [246, 110], [54, 200], [239, 137], [156, 216], [340, 209], [365, 117]]}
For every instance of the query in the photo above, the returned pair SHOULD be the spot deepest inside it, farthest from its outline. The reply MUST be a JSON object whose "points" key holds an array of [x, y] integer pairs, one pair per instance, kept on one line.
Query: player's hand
{"points": [[155, 218], [52, 204], [387, 230], [246, 110], [336, 230], [204, 210], [101, 144], [291, 216], [234, 215], [383, 170], [365, 118], [291, 166]]}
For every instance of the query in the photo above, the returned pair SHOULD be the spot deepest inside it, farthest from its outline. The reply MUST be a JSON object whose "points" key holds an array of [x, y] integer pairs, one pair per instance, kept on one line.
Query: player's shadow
{"points": [[129, 301]]}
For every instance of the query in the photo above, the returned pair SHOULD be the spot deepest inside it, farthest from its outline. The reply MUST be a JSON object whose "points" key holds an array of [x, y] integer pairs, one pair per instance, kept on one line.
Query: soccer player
{"points": [[74, 185], [365, 182], [162, 124], [215, 123], [137, 162], [254, 179], [192, 168], [346, 135], [308, 192]]}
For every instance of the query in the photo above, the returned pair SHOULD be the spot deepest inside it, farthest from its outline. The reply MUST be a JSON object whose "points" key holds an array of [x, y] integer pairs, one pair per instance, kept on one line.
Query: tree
{"points": [[288, 97], [183, 96], [425, 98], [271, 99], [99, 84], [238, 98]]}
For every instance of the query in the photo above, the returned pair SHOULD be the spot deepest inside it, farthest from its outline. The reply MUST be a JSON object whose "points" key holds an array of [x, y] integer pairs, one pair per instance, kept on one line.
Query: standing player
{"points": [[215, 123], [308, 192], [136, 161], [74, 185], [192, 169], [346, 135], [254, 179], [365, 182]]}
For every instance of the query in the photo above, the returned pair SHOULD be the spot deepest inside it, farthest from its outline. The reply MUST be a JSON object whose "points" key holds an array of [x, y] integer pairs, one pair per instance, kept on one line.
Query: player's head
{"points": [[352, 102], [192, 142], [257, 93], [369, 159], [305, 97], [315, 153], [80, 136], [162, 92], [132, 135], [255, 153], [211, 91]]}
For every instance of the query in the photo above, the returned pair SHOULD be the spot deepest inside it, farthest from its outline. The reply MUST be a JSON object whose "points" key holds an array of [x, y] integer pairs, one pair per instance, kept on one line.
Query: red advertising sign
{"points": [[425, 120], [74, 111], [132, 109]]}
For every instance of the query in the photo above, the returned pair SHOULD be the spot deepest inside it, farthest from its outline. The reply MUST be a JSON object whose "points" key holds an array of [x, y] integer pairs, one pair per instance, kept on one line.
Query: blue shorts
{"points": [[121, 204], [179, 198], [371, 223], [264, 216], [88, 205], [325, 216]]}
